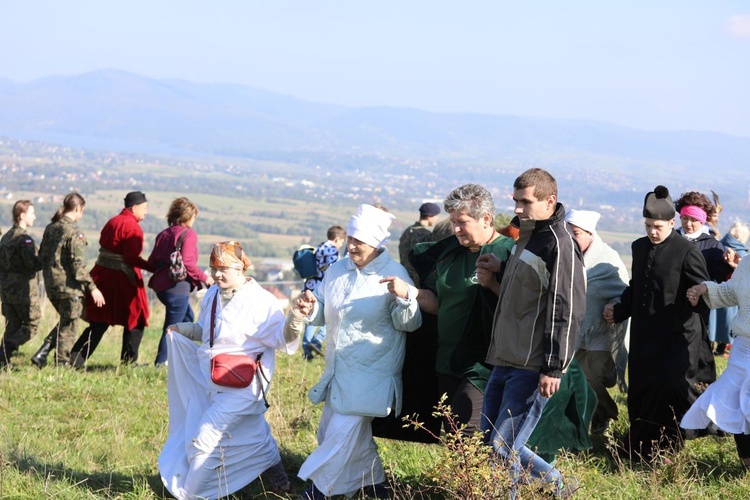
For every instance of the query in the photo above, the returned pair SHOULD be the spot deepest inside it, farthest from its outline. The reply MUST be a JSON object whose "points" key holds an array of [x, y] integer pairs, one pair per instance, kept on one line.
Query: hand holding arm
{"points": [[489, 262], [694, 293], [487, 279], [305, 303]]}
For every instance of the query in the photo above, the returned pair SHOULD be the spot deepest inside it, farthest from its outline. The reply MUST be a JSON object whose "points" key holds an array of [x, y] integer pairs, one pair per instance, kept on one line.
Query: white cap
{"points": [[370, 225], [585, 219]]}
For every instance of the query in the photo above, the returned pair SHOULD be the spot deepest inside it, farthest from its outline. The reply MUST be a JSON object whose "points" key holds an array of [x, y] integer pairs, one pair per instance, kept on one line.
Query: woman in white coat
{"points": [[365, 341], [726, 402], [219, 440]]}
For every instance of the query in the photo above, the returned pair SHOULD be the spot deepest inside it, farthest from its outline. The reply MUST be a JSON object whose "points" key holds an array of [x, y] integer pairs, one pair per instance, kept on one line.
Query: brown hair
{"points": [[19, 208], [335, 232], [697, 199], [180, 211], [543, 182], [70, 202]]}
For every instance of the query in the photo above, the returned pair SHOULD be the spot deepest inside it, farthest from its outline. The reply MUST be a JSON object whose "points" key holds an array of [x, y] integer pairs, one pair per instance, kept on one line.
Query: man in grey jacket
{"points": [[535, 330]]}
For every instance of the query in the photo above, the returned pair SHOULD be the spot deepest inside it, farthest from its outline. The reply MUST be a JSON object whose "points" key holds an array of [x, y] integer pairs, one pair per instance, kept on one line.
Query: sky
{"points": [[654, 65]]}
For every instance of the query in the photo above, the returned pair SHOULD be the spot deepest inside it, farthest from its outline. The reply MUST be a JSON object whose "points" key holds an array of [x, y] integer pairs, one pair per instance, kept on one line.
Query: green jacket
{"points": [[19, 265], [431, 260], [62, 254]]}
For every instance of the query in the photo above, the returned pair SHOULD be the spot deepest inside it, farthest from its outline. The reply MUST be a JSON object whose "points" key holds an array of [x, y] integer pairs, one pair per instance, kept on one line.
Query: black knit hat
{"points": [[134, 198], [658, 204], [429, 209]]}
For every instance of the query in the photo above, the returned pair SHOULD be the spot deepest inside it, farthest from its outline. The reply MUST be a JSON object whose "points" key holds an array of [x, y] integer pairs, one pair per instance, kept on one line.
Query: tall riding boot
{"points": [[131, 341], [88, 342], [40, 358]]}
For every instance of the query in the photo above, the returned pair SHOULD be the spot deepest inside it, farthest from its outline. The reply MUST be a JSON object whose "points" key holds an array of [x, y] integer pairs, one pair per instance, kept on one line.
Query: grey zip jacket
{"points": [[542, 299]]}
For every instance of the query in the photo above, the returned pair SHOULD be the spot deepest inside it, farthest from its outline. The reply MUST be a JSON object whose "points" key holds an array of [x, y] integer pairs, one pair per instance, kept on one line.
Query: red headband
{"points": [[695, 212]]}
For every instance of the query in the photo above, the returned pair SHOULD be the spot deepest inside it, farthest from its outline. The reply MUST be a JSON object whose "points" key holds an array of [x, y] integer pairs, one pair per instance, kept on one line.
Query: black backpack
{"points": [[177, 271], [304, 262]]}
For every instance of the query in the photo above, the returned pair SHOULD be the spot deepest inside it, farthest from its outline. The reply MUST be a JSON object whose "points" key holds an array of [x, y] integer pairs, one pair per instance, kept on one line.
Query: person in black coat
{"points": [[670, 361], [696, 212]]}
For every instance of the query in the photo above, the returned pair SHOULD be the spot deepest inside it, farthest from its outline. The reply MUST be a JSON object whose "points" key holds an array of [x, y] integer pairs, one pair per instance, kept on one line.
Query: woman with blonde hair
{"points": [[175, 293], [219, 440]]}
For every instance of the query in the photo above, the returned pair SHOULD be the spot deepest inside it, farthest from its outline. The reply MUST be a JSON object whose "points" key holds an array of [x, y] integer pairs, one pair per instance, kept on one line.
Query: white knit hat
{"points": [[370, 225], [585, 219]]}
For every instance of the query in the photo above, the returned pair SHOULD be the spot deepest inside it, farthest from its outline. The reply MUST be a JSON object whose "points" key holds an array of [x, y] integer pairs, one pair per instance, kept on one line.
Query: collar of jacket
{"points": [[674, 234], [374, 266], [125, 211], [529, 226]]}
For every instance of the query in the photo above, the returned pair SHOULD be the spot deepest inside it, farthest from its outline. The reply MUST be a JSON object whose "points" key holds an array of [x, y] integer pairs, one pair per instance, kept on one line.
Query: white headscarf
{"points": [[585, 219], [370, 225]]}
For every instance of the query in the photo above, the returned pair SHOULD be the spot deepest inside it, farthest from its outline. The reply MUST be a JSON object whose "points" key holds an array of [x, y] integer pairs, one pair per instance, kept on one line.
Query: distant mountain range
{"points": [[114, 110]]}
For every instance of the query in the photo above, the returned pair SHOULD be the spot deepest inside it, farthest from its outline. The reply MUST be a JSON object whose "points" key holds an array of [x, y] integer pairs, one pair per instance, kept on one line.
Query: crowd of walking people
{"points": [[521, 329]]}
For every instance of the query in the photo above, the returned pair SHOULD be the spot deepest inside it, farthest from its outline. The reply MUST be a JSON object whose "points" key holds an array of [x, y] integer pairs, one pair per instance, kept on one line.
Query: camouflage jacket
{"points": [[61, 253], [416, 233], [19, 267]]}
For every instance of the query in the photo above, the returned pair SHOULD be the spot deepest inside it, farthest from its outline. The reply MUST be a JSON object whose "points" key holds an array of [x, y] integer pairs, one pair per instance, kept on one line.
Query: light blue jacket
{"points": [[365, 336]]}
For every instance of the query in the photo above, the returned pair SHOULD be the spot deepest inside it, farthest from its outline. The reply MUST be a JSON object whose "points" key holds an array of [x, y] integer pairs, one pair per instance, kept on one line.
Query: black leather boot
{"points": [[4, 357], [40, 358], [77, 360]]}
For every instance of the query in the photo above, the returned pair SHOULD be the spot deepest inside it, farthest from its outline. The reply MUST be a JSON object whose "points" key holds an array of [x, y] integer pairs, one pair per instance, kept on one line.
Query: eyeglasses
{"points": [[223, 270]]}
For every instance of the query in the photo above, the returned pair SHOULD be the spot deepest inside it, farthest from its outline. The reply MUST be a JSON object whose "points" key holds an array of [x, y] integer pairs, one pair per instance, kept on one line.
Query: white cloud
{"points": [[739, 25]]}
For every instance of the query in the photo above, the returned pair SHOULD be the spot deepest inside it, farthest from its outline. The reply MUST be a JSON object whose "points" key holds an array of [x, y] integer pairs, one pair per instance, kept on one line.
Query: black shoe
{"points": [[315, 346], [4, 358], [600, 428], [77, 360], [40, 358]]}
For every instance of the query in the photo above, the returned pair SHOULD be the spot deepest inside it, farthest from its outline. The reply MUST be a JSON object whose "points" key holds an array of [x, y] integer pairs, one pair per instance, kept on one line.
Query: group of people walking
{"points": [[112, 293], [513, 315]]}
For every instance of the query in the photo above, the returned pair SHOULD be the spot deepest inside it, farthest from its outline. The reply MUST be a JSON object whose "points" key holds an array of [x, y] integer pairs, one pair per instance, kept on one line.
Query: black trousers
{"points": [[92, 335], [743, 445], [465, 400]]}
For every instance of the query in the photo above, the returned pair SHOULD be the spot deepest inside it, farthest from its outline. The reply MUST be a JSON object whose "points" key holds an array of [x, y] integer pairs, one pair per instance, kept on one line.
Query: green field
{"points": [[97, 434]]}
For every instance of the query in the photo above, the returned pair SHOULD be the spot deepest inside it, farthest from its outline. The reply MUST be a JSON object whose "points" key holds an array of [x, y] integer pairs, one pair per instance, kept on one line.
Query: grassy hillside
{"points": [[97, 434]]}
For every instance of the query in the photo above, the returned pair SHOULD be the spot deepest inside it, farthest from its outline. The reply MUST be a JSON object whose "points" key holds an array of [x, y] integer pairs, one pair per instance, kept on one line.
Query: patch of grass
{"points": [[98, 433]]}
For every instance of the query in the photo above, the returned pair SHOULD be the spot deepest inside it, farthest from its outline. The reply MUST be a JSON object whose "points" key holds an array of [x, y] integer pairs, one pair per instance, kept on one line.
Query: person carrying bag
{"points": [[217, 388]]}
